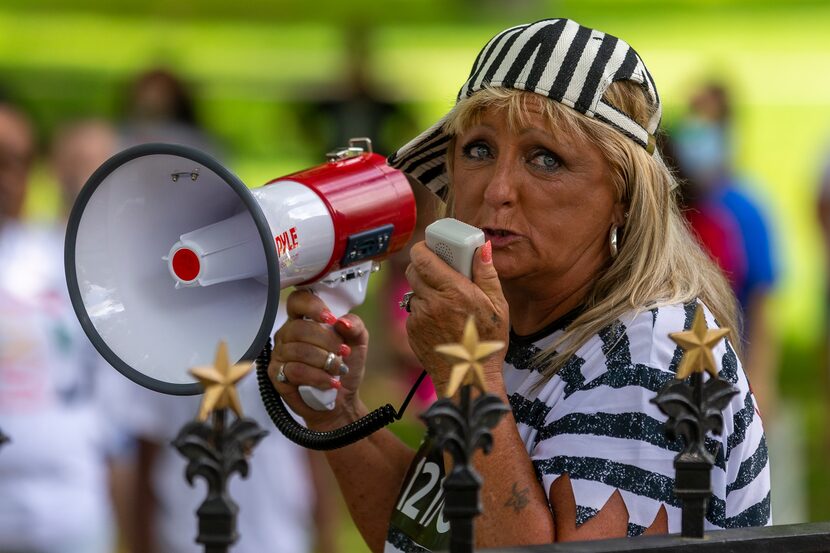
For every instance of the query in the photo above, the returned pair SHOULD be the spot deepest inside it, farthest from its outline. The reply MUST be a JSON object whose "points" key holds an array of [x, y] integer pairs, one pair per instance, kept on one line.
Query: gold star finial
{"points": [[219, 382], [471, 352], [697, 345]]}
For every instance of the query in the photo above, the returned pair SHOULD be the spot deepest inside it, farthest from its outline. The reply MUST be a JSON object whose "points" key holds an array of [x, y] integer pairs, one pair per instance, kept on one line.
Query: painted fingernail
{"points": [[335, 383], [328, 317], [346, 323], [487, 252], [344, 350], [344, 368]]}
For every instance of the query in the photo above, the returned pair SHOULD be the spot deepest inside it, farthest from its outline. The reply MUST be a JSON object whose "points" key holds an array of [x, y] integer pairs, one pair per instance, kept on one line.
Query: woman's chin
{"points": [[508, 267]]}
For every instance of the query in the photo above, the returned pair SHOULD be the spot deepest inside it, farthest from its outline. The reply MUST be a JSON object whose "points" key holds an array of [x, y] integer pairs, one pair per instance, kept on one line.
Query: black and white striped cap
{"points": [[557, 58]]}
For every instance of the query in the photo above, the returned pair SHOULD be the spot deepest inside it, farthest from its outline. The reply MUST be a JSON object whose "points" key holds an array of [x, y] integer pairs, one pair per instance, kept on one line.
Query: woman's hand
{"points": [[442, 302], [301, 347]]}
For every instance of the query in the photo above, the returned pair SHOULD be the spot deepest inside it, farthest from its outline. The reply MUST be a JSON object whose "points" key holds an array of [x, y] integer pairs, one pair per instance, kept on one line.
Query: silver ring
{"points": [[281, 375], [329, 362], [404, 303]]}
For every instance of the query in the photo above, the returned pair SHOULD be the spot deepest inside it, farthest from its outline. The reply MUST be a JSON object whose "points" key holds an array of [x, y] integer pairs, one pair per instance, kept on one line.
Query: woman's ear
{"points": [[620, 214]]}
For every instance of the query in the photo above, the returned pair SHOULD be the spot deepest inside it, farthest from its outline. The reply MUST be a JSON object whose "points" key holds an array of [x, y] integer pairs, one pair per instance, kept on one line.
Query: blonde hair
{"points": [[659, 261]]}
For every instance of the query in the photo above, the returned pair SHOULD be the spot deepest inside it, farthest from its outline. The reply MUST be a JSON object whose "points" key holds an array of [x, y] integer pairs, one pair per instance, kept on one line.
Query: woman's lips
{"points": [[501, 238]]}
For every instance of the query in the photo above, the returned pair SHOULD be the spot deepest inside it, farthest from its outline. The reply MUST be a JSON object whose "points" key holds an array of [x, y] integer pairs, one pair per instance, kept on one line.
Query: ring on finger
{"points": [[404, 303], [281, 375], [330, 358]]}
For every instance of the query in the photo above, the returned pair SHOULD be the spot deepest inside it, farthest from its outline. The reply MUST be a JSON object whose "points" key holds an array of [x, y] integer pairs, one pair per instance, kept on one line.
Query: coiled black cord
{"points": [[321, 441]]}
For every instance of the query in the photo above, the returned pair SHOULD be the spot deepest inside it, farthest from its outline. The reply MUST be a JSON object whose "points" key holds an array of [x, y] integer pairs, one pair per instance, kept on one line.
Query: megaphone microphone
{"points": [[167, 253]]}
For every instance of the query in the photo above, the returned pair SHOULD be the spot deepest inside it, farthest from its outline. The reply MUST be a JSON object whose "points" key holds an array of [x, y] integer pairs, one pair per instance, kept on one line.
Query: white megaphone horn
{"points": [[168, 252]]}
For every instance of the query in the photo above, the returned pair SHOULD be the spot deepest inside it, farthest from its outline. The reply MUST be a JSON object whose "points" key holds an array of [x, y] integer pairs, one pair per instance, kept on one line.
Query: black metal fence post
{"points": [[214, 452], [461, 430], [694, 408]]}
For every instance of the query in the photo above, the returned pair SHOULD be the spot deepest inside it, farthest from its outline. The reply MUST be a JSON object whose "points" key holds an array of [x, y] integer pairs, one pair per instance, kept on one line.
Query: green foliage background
{"points": [[252, 61]]}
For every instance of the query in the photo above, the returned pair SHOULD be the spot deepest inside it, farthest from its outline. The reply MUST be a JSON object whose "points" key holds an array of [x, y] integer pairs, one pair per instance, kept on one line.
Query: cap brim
{"points": [[424, 158]]}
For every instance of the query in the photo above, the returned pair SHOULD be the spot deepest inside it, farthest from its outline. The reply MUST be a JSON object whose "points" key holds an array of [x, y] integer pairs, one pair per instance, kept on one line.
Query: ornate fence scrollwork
{"points": [[462, 428], [215, 450], [693, 408]]}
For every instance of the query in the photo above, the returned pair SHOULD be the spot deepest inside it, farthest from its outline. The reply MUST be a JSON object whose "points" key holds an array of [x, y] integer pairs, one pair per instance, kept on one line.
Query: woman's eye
{"points": [[545, 160], [477, 150]]}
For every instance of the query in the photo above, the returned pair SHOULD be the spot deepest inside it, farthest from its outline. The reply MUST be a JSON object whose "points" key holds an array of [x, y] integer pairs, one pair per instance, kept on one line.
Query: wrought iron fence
{"points": [[793, 538]]}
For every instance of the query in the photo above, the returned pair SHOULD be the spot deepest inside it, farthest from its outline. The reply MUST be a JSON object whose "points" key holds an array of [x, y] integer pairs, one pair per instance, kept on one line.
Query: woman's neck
{"points": [[532, 308]]}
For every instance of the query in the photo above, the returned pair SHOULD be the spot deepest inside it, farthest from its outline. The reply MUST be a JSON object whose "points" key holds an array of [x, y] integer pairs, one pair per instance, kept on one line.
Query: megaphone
{"points": [[167, 253]]}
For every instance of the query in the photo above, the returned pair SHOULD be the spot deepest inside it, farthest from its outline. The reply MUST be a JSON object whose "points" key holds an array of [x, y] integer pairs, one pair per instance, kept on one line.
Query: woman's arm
{"points": [[517, 510], [369, 472], [515, 506]]}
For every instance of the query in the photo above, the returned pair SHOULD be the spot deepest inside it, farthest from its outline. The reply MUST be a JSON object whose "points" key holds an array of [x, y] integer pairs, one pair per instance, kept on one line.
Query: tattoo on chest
{"points": [[518, 498]]}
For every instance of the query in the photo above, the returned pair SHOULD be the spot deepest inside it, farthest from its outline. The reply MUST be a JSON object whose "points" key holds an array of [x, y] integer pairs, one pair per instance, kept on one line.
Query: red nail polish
{"points": [[328, 317], [346, 323], [335, 383], [344, 350], [487, 252]]}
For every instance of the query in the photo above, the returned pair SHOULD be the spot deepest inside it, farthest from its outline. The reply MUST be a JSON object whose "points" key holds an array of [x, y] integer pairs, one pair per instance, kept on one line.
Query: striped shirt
{"points": [[594, 421]]}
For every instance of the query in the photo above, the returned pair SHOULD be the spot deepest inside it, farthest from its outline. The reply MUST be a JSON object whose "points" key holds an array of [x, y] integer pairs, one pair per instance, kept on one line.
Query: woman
{"points": [[587, 267]]}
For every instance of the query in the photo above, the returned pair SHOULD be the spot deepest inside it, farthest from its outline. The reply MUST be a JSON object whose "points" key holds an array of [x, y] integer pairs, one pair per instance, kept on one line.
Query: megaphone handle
{"points": [[341, 291], [332, 439]]}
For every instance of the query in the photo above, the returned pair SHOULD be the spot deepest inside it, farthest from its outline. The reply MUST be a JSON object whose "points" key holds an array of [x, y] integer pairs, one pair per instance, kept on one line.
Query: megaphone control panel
{"points": [[367, 245]]}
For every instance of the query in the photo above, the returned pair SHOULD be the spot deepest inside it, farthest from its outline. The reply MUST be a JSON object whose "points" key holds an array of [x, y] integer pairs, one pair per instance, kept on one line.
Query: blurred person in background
{"points": [[287, 504], [161, 107], [355, 106], [78, 149], [732, 227], [823, 212], [55, 473]]}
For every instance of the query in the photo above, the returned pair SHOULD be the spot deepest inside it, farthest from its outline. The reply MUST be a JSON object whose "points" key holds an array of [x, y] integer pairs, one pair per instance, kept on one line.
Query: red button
{"points": [[186, 264]]}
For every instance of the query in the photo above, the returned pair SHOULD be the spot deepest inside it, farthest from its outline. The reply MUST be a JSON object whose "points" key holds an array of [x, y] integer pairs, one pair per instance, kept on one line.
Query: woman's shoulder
{"points": [[636, 349], [648, 335], [633, 350]]}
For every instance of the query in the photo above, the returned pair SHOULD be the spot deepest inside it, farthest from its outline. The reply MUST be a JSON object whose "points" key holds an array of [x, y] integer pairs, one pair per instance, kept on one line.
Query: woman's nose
{"points": [[501, 188]]}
